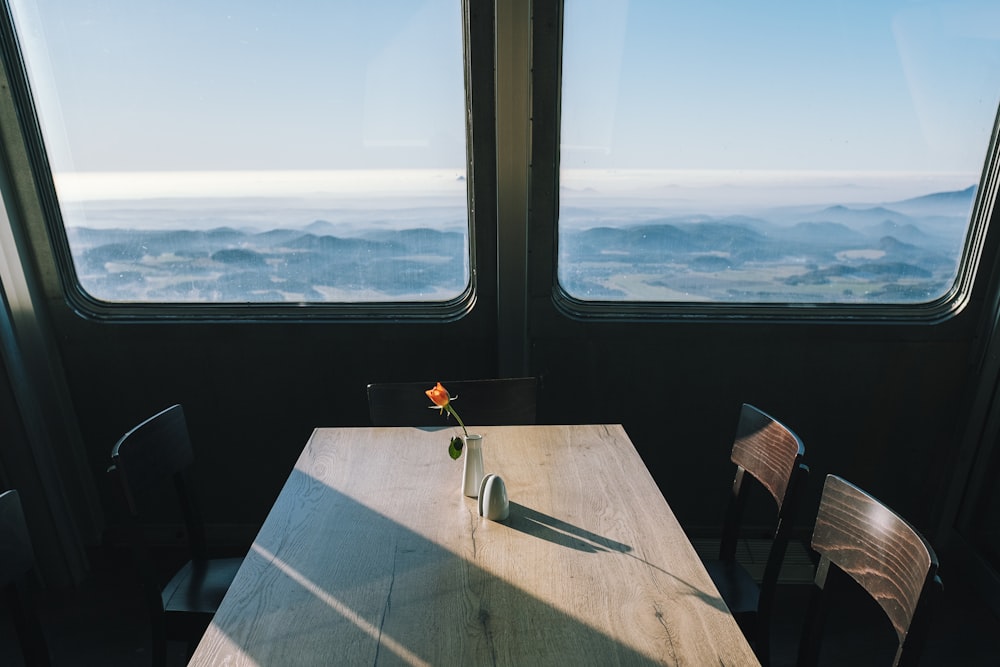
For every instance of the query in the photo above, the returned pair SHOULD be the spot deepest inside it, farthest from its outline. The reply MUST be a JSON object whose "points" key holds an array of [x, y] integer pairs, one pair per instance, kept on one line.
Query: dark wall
{"points": [[870, 404], [252, 392], [877, 404]]}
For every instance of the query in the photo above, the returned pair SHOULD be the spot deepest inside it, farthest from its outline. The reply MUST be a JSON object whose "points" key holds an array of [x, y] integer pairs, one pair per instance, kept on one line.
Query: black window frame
{"points": [[478, 49], [546, 108]]}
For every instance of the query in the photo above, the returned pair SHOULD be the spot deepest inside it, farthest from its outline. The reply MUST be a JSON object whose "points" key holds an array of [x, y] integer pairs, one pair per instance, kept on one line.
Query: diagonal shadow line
{"points": [[538, 524], [543, 526]]}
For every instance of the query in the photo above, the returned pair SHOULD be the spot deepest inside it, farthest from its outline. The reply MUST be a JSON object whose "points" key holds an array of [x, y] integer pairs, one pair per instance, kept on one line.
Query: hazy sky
{"points": [[246, 84], [855, 84], [204, 85]]}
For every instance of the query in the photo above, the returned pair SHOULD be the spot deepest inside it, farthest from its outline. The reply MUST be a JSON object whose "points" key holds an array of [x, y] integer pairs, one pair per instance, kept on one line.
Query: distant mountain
{"points": [[858, 217], [275, 237], [957, 202], [658, 242], [907, 232], [859, 253], [320, 227], [279, 265], [821, 233], [334, 244]]}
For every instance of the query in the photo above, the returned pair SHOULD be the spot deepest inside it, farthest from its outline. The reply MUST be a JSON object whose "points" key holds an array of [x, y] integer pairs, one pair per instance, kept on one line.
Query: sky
{"points": [[849, 90], [162, 85], [853, 85]]}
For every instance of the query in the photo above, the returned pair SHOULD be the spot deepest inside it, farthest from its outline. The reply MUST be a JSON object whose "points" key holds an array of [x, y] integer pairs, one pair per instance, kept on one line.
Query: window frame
{"points": [[477, 45], [545, 175]]}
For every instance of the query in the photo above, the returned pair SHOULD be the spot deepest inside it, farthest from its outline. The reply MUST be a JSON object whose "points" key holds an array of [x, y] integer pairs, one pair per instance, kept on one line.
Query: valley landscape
{"points": [[898, 252]]}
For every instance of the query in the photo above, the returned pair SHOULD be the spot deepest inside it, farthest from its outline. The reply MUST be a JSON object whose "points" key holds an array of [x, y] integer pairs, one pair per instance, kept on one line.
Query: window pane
{"points": [[772, 152], [255, 151]]}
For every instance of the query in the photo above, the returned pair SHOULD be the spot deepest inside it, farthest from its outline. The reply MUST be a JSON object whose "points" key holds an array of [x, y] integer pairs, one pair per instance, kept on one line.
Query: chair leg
{"points": [[757, 633], [816, 615], [27, 626], [762, 644], [159, 644]]}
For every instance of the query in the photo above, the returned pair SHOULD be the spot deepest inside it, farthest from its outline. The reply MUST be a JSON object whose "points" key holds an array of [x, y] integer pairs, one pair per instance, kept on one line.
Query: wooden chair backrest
{"points": [[768, 450], [862, 538], [772, 454], [495, 401]]}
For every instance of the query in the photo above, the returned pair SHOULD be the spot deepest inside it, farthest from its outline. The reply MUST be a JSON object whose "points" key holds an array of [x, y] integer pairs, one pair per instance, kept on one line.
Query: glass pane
{"points": [[772, 152], [255, 151]]}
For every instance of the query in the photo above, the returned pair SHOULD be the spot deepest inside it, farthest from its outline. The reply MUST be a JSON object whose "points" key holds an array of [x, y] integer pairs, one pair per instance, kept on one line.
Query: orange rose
{"points": [[442, 400], [439, 396]]}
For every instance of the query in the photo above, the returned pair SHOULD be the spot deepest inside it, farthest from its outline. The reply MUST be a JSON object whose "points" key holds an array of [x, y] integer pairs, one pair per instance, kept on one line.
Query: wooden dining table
{"points": [[371, 555]]}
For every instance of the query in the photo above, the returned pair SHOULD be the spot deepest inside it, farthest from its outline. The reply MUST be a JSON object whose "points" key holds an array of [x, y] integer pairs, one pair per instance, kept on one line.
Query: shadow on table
{"points": [[368, 582], [545, 527]]}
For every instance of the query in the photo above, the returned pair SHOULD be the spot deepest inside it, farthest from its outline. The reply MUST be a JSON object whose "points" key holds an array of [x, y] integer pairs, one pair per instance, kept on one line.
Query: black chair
{"points": [[497, 402], [155, 455], [17, 560], [769, 453], [860, 539]]}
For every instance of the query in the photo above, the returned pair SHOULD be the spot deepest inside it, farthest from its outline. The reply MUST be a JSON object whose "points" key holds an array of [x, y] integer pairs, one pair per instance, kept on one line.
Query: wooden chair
{"points": [[155, 455], [17, 560], [858, 538], [501, 401], [768, 452]]}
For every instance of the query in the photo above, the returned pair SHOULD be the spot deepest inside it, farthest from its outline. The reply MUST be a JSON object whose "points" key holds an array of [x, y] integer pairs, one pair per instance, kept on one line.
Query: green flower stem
{"points": [[456, 444], [451, 411]]}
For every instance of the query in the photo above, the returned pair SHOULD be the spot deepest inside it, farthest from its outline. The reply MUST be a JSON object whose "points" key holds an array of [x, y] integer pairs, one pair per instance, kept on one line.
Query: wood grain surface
{"points": [[372, 556]]}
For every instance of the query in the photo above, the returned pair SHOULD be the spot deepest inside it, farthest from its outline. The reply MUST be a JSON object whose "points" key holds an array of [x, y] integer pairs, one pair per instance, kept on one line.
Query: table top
{"points": [[371, 555]]}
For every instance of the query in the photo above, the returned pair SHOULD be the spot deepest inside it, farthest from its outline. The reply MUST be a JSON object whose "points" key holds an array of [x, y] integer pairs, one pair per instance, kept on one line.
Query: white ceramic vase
{"points": [[473, 476]]}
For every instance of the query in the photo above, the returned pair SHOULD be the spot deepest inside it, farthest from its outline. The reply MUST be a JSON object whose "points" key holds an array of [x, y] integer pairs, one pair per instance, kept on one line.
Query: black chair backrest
{"points": [[147, 460], [17, 559], [155, 454], [497, 401], [857, 536]]}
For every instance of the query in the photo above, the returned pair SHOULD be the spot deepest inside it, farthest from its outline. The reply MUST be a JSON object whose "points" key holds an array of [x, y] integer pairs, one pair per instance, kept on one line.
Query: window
{"points": [[255, 152], [772, 153]]}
